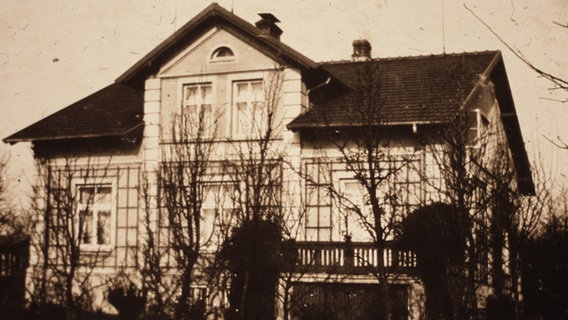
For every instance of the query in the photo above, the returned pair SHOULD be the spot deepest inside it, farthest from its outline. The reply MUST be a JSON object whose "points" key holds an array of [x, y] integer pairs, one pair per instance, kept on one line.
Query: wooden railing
{"points": [[348, 257]]}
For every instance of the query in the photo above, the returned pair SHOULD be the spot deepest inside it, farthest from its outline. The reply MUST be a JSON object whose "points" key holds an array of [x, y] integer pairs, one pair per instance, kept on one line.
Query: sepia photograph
{"points": [[284, 160]]}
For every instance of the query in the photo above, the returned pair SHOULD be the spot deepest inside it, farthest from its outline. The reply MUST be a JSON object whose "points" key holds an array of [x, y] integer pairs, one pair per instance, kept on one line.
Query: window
{"points": [[318, 216], [354, 192], [357, 209], [198, 294], [197, 107], [217, 207], [477, 123], [248, 99], [95, 215], [407, 183], [222, 54]]}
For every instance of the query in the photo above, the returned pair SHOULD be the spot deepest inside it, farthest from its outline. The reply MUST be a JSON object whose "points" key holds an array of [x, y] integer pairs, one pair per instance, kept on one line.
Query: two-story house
{"points": [[332, 127]]}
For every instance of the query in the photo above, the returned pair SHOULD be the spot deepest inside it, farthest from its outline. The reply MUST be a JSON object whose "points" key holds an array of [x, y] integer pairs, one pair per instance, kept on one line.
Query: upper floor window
{"points": [[318, 202], [248, 100], [95, 214], [222, 54], [197, 108]]}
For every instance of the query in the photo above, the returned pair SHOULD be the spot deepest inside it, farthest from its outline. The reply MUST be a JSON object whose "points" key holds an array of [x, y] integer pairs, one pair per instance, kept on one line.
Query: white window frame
{"points": [[200, 103], [231, 82], [363, 205], [95, 208], [323, 229], [213, 59], [220, 212]]}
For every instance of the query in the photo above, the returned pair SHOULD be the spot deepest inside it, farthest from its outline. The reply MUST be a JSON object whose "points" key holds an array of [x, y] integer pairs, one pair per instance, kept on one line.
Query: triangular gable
{"points": [[213, 15], [196, 58]]}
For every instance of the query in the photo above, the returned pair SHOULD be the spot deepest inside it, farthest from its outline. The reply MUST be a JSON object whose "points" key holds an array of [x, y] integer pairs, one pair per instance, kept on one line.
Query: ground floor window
{"points": [[95, 214]]}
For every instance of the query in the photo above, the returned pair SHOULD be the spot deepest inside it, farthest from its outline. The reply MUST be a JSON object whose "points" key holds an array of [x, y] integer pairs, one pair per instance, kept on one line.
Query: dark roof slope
{"points": [[424, 89], [118, 108], [421, 90], [112, 111], [213, 15]]}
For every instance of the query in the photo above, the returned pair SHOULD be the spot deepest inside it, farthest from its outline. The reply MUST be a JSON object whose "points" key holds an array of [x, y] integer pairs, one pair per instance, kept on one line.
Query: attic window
{"points": [[222, 54]]}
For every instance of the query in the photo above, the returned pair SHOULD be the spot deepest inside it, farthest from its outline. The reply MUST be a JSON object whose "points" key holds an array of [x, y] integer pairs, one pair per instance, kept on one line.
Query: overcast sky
{"points": [[54, 52]]}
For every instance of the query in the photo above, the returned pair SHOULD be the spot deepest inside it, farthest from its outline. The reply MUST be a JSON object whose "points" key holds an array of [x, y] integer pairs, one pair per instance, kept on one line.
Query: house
{"points": [[219, 78]]}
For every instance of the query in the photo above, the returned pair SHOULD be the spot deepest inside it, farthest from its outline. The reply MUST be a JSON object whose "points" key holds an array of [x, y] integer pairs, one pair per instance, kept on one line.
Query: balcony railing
{"points": [[348, 257]]}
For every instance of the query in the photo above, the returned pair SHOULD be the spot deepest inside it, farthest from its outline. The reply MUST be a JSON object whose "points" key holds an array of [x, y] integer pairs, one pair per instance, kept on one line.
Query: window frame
{"points": [[220, 212], [316, 187], [218, 59], [234, 121], [95, 208], [211, 102]]}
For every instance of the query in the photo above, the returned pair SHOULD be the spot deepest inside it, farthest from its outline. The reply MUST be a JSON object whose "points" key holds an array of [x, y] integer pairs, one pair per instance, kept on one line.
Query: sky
{"points": [[55, 52]]}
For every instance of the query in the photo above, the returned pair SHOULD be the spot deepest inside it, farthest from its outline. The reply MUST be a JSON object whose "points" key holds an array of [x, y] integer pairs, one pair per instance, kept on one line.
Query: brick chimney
{"points": [[267, 25], [361, 50]]}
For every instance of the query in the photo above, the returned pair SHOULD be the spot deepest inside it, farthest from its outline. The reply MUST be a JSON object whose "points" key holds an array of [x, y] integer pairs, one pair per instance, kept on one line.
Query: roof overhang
{"points": [[114, 111]]}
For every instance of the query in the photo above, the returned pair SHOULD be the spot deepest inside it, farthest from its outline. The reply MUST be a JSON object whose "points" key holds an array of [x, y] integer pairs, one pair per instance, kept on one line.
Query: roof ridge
{"points": [[213, 11], [398, 58]]}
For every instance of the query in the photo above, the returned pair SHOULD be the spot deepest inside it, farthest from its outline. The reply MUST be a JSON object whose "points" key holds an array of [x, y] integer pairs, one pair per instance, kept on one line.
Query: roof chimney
{"points": [[361, 50], [267, 25]]}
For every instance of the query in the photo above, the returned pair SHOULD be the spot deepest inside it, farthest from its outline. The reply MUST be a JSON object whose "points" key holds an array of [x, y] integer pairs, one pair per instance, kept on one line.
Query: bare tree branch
{"points": [[557, 81]]}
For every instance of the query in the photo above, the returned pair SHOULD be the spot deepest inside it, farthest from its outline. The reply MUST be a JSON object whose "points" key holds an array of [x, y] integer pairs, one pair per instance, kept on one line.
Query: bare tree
{"points": [[71, 231], [176, 235], [369, 153], [254, 170], [476, 175], [10, 222], [558, 83]]}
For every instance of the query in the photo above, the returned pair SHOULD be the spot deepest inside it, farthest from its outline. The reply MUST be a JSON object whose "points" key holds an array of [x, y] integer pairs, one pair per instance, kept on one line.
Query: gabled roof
{"points": [[118, 108], [418, 90], [424, 89], [112, 111], [213, 15]]}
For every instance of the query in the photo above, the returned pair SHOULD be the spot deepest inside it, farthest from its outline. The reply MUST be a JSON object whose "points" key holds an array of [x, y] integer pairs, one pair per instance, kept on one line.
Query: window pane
{"points": [[206, 110], [206, 94], [86, 195], [312, 196], [103, 195], [324, 217], [312, 217], [257, 92], [241, 90], [191, 112], [191, 95], [85, 225], [324, 234], [324, 197], [222, 52], [257, 108], [311, 234], [242, 118], [103, 227]]}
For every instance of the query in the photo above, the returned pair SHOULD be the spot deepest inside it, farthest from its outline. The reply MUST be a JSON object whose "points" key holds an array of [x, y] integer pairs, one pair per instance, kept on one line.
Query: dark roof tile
{"points": [[112, 111], [424, 89]]}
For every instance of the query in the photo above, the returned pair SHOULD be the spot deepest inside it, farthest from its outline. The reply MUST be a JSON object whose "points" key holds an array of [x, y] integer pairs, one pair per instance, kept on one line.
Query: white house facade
{"points": [[226, 73]]}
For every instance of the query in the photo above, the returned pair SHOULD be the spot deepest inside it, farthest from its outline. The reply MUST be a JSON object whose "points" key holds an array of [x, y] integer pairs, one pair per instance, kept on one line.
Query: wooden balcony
{"points": [[347, 257]]}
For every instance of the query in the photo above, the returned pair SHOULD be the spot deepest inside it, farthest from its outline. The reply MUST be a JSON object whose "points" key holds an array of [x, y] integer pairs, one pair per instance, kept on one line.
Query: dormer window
{"points": [[222, 54]]}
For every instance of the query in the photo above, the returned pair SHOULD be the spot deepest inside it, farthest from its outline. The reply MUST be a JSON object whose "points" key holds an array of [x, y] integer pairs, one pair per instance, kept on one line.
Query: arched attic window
{"points": [[222, 53]]}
